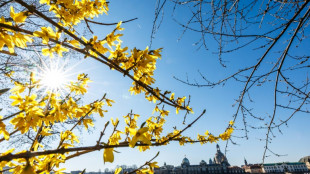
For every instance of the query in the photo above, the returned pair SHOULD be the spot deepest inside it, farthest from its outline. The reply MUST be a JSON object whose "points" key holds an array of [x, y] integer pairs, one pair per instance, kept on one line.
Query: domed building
{"points": [[219, 165], [220, 158], [185, 163], [202, 163], [305, 160]]}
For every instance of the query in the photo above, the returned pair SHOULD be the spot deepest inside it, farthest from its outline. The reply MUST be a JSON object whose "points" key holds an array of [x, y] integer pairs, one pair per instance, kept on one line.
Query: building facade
{"points": [[289, 167], [305, 160], [218, 165], [253, 168]]}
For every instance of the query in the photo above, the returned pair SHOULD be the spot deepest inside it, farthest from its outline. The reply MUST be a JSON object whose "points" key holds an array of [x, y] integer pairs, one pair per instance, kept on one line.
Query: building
{"points": [[253, 168], [76, 172], [218, 165], [291, 167], [305, 160]]}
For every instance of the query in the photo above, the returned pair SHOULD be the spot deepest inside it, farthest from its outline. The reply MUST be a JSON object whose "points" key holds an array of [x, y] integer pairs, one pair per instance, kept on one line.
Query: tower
{"points": [[218, 147], [245, 162], [220, 158]]}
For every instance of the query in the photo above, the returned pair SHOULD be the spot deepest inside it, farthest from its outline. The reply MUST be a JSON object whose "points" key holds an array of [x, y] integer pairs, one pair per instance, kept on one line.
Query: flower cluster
{"points": [[71, 12]]}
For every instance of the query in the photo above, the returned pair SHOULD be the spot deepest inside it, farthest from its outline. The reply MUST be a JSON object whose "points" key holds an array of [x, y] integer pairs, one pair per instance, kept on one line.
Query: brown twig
{"points": [[115, 23]]}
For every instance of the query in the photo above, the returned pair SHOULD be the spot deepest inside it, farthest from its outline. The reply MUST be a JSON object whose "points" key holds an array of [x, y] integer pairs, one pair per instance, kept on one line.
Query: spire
{"points": [[218, 147], [210, 161], [245, 162]]}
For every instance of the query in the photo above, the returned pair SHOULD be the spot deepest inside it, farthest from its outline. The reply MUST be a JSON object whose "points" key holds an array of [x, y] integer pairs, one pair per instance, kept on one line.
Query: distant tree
{"points": [[277, 34], [41, 105]]}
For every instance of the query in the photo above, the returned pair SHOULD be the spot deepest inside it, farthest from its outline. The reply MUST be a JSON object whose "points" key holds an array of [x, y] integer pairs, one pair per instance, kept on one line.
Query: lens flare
{"points": [[53, 76], [53, 79]]}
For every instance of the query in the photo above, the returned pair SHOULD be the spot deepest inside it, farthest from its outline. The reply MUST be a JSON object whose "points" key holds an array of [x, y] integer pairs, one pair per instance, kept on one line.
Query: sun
{"points": [[53, 76], [53, 79]]}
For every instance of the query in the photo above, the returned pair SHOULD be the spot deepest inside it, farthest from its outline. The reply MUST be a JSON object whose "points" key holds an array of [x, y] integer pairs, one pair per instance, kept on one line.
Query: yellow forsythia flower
{"points": [[108, 155], [46, 33], [3, 131], [18, 17], [139, 136]]}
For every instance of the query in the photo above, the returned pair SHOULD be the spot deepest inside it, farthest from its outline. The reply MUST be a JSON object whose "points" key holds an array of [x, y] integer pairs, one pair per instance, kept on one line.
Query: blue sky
{"points": [[178, 59]]}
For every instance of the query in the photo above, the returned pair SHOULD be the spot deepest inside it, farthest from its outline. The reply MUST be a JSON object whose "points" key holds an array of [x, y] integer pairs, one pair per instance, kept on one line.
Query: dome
{"points": [[185, 162], [220, 158], [304, 159], [203, 163]]}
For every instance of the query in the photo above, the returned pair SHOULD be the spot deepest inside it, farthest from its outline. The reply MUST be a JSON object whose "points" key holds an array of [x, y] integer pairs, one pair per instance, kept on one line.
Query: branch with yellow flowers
{"points": [[28, 154], [156, 95], [87, 149], [147, 163], [162, 97], [81, 119]]}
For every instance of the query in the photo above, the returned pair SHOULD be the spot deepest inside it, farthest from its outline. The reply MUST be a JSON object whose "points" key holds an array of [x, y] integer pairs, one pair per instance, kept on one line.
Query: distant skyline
{"points": [[180, 58], [178, 162]]}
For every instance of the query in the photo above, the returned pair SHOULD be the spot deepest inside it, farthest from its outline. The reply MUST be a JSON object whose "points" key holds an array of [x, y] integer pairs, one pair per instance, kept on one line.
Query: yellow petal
{"points": [[133, 141], [132, 131], [108, 155], [145, 140], [118, 170], [143, 130], [172, 96]]}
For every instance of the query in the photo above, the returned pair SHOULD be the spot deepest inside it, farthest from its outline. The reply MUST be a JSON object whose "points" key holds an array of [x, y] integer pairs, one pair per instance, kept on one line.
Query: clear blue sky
{"points": [[178, 59]]}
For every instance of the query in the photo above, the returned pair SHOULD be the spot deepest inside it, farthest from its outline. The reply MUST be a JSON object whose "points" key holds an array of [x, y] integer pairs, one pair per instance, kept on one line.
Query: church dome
{"points": [[220, 158], [304, 159], [185, 162]]}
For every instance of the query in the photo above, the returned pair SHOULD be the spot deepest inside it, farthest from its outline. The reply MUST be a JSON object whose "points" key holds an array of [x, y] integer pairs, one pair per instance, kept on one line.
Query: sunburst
{"points": [[53, 75]]}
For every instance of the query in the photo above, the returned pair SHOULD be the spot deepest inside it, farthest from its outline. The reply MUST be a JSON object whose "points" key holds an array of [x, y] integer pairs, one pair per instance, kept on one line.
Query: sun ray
{"points": [[54, 75]]}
